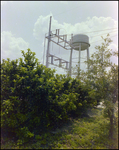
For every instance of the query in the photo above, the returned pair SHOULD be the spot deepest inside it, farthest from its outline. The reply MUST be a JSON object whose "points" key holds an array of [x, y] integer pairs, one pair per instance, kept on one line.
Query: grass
{"points": [[79, 133]]}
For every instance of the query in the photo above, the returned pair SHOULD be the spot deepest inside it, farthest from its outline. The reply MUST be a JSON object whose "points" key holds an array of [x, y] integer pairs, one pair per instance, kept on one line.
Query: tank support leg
{"points": [[70, 64], [88, 56], [79, 59]]}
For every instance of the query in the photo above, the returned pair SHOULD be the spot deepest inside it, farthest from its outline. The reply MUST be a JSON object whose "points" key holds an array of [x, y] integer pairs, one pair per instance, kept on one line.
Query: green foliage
{"points": [[101, 79], [38, 137], [24, 135], [82, 133], [33, 98]]}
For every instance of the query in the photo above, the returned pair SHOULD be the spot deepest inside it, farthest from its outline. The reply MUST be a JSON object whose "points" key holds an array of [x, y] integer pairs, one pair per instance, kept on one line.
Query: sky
{"points": [[25, 23]]}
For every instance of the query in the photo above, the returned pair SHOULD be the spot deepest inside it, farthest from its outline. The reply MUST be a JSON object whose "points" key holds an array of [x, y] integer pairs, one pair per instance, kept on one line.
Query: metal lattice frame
{"points": [[66, 45]]}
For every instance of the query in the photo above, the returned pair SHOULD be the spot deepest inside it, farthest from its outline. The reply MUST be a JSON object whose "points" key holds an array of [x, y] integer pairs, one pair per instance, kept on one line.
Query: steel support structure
{"points": [[88, 57], [47, 55], [79, 59], [66, 45], [70, 64], [60, 61]]}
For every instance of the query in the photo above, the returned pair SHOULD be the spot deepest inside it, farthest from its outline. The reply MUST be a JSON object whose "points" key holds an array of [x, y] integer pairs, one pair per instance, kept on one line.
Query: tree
{"points": [[34, 98], [24, 91], [101, 79]]}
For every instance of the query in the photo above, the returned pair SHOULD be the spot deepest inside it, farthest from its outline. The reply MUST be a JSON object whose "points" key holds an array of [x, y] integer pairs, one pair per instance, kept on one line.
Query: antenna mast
{"points": [[47, 55]]}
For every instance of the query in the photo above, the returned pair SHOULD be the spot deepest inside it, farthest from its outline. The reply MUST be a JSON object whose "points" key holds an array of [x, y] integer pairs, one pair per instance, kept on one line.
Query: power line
{"points": [[78, 7], [91, 31], [102, 39], [69, 10], [97, 30], [100, 30], [102, 34]]}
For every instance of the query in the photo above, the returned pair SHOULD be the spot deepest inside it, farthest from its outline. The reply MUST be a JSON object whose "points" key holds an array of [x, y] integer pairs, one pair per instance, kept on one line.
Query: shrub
{"points": [[33, 98]]}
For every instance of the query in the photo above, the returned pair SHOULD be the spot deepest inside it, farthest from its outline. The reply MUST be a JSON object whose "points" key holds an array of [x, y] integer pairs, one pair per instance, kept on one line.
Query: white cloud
{"points": [[41, 26], [11, 46], [88, 27]]}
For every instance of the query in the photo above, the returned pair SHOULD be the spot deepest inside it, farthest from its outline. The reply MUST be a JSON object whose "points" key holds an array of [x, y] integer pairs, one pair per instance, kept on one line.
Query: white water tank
{"points": [[80, 39]]}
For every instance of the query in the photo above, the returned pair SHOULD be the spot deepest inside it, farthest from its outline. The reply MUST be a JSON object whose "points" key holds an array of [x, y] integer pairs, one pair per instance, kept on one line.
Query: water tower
{"points": [[79, 42]]}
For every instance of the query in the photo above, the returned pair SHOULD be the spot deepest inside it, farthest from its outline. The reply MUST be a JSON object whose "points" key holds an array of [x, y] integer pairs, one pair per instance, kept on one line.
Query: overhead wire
{"points": [[83, 32], [102, 39], [103, 33], [94, 31], [86, 32], [91, 31], [100, 30], [69, 10], [91, 43]]}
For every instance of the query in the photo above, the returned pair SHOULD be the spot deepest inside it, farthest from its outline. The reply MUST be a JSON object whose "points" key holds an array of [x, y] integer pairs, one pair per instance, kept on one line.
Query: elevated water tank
{"points": [[80, 39]]}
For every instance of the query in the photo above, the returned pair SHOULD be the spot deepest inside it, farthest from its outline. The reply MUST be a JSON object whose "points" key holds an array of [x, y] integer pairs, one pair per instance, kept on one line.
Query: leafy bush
{"points": [[33, 98]]}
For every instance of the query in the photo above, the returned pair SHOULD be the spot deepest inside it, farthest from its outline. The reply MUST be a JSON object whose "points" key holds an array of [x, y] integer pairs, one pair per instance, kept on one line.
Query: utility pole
{"points": [[47, 56]]}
